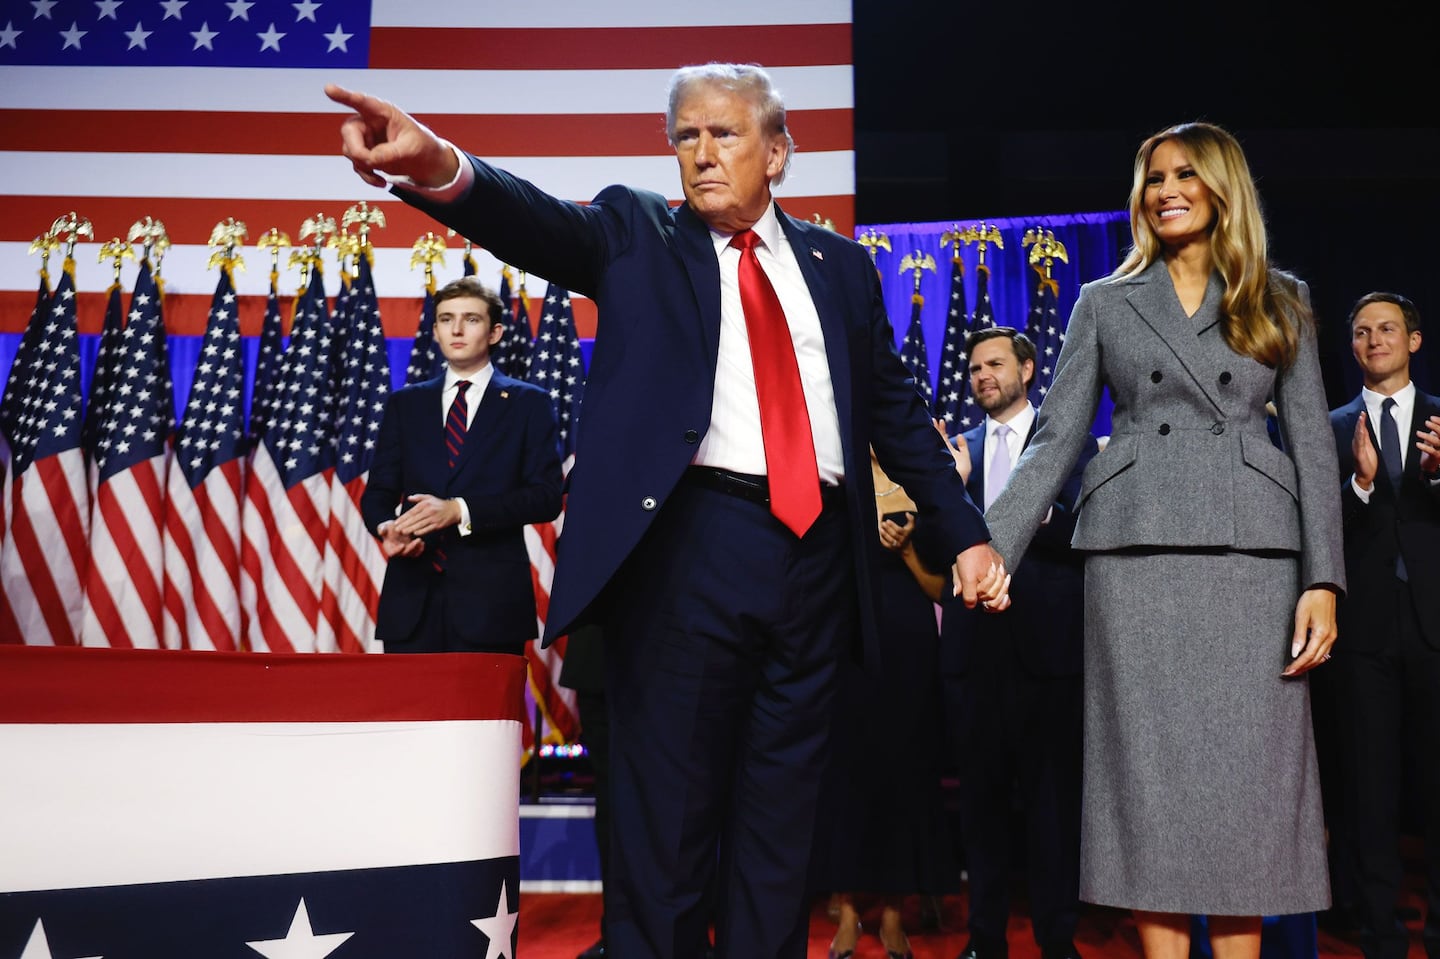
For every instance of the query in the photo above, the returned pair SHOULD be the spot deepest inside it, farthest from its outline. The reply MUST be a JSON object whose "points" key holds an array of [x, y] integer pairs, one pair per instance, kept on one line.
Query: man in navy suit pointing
{"points": [[727, 568]]}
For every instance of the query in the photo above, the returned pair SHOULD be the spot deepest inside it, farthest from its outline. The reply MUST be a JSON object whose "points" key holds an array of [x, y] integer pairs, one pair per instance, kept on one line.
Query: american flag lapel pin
{"points": [[817, 254], [504, 394]]}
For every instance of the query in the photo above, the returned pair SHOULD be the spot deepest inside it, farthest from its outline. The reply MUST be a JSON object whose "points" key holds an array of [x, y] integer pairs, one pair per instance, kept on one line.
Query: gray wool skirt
{"points": [[1201, 791]]}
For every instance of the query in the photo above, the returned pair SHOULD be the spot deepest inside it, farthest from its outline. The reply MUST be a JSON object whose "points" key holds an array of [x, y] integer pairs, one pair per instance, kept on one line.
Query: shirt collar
{"points": [[1404, 397], [767, 228], [1019, 423], [478, 380]]}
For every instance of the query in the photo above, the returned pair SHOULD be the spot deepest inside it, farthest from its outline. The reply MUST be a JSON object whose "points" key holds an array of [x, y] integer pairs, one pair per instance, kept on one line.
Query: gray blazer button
{"points": [[649, 503], [1164, 429], [692, 436], [1218, 428], [1156, 377], [1225, 378]]}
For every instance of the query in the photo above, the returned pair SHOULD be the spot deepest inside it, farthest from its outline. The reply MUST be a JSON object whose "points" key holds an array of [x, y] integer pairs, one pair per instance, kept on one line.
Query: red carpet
{"points": [[559, 926]]}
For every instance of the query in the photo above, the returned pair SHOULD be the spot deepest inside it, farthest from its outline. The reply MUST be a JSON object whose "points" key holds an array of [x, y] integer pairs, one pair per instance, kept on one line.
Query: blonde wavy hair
{"points": [[1261, 307]]}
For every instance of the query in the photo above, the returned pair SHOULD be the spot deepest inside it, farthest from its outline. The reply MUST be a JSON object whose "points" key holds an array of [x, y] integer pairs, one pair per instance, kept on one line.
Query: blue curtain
{"points": [[1094, 244]]}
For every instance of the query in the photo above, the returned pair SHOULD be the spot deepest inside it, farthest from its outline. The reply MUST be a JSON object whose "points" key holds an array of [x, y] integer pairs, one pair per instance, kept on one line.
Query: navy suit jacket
{"points": [[1047, 586], [1395, 522], [654, 276], [509, 476]]}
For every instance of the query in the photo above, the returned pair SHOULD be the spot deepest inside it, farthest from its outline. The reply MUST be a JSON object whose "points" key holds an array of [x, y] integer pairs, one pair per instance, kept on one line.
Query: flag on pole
{"points": [[97, 402], [13, 398], [954, 384], [268, 359], [354, 562], [202, 524], [512, 353], [285, 517], [47, 503], [556, 364], [1045, 329], [124, 586], [426, 360]]}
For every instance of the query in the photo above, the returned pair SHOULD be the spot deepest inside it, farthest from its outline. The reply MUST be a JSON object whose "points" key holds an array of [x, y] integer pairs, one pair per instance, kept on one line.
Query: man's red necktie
{"points": [[455, 427], [784, 420]]}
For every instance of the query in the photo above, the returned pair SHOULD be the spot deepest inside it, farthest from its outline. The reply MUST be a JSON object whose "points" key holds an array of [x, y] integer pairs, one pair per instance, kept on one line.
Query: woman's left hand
{"points": [[1315, 631]]}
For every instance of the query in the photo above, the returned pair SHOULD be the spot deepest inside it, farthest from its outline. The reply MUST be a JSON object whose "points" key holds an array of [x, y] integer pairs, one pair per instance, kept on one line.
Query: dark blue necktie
{"points": [[1390, 456]]}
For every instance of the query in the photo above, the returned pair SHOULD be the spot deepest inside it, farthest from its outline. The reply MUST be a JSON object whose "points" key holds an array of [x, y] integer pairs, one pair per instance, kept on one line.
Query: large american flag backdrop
{"points": [[195, 112]]}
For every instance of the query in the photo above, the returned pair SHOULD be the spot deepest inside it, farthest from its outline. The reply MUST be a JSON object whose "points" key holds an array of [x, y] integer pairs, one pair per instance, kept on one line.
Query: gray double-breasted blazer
{"points": [[1190, 462]]}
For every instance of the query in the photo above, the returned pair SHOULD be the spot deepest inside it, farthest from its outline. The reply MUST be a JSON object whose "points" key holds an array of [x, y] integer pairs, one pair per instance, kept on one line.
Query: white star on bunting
{"points": [[39, 947], [499, 928], [300, 942]]}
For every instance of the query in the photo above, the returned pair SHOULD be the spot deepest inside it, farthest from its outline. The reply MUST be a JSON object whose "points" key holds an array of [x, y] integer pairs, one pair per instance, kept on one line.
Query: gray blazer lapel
{"points": [[1154, 300]]}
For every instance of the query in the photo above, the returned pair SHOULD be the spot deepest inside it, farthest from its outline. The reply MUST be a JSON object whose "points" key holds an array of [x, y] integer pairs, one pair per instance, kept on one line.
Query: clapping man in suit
{"points": [[463, 463], [1013, 682], [724, 562], [1386, 682]]}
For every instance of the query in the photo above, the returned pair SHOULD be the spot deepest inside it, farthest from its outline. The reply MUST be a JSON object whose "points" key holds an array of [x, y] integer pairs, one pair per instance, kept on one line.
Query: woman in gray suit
{"points": [[1213, 557]]}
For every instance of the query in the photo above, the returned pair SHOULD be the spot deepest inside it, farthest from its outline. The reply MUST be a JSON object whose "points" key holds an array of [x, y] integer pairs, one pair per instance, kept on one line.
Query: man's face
{"points": [[464, 332], [726, 159], [997, 378], [1380, 343]]}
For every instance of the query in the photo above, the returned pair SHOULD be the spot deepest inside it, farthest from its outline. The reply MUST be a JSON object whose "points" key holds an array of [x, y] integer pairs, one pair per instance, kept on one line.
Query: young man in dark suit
{"points": [[1013, 681], [720, 559], [463, 463], [1384, 689]]}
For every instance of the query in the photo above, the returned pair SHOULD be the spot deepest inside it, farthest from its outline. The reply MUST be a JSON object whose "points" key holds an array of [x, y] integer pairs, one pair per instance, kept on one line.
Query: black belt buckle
{"points": [[746, 486]]}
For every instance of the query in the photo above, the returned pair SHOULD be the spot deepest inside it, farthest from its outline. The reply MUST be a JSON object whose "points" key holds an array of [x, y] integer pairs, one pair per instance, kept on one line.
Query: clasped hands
{"points": [[427, 514], [980, 577]]}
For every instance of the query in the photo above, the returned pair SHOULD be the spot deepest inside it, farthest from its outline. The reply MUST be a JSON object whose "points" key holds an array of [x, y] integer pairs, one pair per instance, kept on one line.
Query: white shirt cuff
{"points": [[450, 192]]}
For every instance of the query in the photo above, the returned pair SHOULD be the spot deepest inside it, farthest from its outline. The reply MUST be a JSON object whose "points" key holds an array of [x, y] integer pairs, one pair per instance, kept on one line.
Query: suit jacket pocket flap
{"points": [[1261, 455], [1118, 455]]}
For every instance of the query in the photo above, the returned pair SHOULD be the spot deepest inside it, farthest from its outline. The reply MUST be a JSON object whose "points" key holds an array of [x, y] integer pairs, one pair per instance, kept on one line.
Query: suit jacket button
{"points": [[648, 503], [1225, 378], [1218, 428], [1156, 377], [691, 436], [1164, 429]]}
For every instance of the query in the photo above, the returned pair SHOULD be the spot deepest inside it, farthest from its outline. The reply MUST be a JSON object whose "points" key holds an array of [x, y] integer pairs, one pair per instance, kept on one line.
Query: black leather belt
{"points": [[748, 486]]}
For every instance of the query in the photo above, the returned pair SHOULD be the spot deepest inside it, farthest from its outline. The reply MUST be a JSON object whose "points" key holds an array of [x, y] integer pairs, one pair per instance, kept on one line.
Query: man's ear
{"points": [[497, 330], [1415, 339]]}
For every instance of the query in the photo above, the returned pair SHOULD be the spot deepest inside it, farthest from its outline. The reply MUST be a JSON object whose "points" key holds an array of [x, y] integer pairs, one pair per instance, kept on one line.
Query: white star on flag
{"points": [[270, 39], [305, 10], [73, 36], [240, 10], [338, 38], [300, 942], [499, 928], [39, 947]]}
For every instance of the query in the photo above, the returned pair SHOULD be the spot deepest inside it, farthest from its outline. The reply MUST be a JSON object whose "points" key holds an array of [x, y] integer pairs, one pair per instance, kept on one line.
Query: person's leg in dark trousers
{"points": [[721, 652], [1050, 770], [595, 734], [978, 703], [1421, 675], [1372, 711]]}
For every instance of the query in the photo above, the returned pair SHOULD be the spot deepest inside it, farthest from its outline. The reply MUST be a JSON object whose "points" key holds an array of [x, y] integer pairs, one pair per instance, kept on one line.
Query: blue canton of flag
{"points": [[10, 403], [189, 33], [982, 319], [557, 365], [106, 359], [51, 405], [300, 435], [140, 414], [912, 351], [426, 360], [954, 363], [1044, 329], [267, 364], [511, 355], [213, 428], [366, 380]]}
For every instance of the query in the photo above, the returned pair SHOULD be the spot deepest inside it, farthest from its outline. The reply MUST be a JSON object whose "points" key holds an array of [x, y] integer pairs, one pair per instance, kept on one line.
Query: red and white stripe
{"points": [[283, 536], [124, 584], [202, 560], [354, 570], [44, 556]]}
